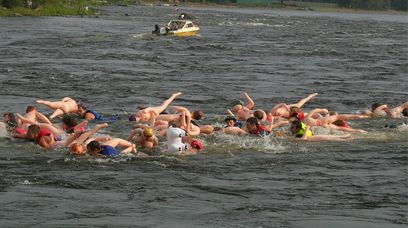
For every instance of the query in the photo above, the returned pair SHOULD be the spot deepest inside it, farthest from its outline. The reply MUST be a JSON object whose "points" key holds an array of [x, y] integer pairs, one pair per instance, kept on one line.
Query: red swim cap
{"points": [[196, 145]]}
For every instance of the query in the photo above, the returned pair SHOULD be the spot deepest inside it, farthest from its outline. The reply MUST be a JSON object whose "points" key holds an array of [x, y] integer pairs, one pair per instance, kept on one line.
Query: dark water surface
{"points": [[113, 64]]}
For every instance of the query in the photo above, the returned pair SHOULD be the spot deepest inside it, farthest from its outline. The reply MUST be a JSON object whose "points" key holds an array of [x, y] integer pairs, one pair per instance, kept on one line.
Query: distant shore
{"points": [[90, 8]]}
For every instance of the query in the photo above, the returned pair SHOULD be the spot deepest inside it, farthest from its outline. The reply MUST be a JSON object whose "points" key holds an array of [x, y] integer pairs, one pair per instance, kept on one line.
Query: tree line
{"points": [[357, 4]]}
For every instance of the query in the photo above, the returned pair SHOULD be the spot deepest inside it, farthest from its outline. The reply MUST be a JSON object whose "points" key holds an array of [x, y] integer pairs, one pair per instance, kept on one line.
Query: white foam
{"points": [[3, 130]]}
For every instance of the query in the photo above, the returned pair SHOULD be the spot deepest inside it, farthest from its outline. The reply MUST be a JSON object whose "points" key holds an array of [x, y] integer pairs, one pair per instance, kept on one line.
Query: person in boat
{"points": [[150, 113], [65, 106], [302, 131]]}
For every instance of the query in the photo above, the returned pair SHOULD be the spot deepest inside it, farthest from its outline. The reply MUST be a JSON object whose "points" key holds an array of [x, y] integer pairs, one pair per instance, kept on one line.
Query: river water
{"points": [[113, 64]]}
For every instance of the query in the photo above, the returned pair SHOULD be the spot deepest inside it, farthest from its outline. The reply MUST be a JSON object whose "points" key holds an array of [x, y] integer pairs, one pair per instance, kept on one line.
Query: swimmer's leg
{"points": [[52, 105], [163, 106], [304, 100], [57, 112]]}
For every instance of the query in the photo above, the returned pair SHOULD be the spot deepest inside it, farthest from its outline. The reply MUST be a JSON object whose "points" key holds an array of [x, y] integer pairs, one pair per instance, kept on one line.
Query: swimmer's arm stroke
{"points": [[251, 103]]}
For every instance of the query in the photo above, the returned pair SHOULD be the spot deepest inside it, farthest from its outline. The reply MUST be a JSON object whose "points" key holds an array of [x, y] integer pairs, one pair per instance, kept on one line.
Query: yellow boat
{"points": [[178, 28]]}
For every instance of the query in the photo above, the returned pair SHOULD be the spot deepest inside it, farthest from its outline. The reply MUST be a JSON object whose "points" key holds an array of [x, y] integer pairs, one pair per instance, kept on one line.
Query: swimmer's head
{"points": [[148, 132], [341, 123], [77, 149], [238, 104], [132, 118], [93, 147], [8, 116], [196, 145], [259, 115], [379, 110], [197, 114], [33, 131], [30, 109], [405, 112], [296, 113], [230, 121], [375, 106], [252, 125], [81, 110], [69, 121]]}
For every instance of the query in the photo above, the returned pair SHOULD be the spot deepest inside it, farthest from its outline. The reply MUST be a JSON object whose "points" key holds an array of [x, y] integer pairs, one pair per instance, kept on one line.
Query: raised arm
{"points": [[43, 118], [229, 113], [303, 101], [251, 103], [317, 111]]}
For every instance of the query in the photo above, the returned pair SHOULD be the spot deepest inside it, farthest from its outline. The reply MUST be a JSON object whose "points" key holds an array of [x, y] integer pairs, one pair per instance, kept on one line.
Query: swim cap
{"points": [[148, 132], [132, 118], [196, 145], [237, 102], [297, 115], [230, 118], [77, 149]]}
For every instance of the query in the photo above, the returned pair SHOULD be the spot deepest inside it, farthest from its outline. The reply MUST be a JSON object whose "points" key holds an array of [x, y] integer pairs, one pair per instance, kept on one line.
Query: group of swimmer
{"points": [[180, 127]]}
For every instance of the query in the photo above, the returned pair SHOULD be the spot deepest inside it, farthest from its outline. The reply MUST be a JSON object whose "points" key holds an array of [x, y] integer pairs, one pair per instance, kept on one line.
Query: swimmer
{"points": [[194, 117], [242, 112], [231, 127], [66, 105], [43, 137], [35, 116], [326, 120], [145, 137], [382, 110], [10, 121], [88, 114], [108, 147], [150, 113], [302, 131], [240, 105], [79, 139], [253, 127], [282, 110], [188, 126]]}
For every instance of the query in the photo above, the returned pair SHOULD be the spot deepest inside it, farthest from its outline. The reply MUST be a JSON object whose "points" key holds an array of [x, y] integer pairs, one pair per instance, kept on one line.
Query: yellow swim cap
{"points": [[148, 132]]}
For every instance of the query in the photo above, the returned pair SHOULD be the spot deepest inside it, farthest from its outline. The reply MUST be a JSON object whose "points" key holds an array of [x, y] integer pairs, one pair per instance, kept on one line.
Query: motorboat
{"points": [[178, 28]]}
